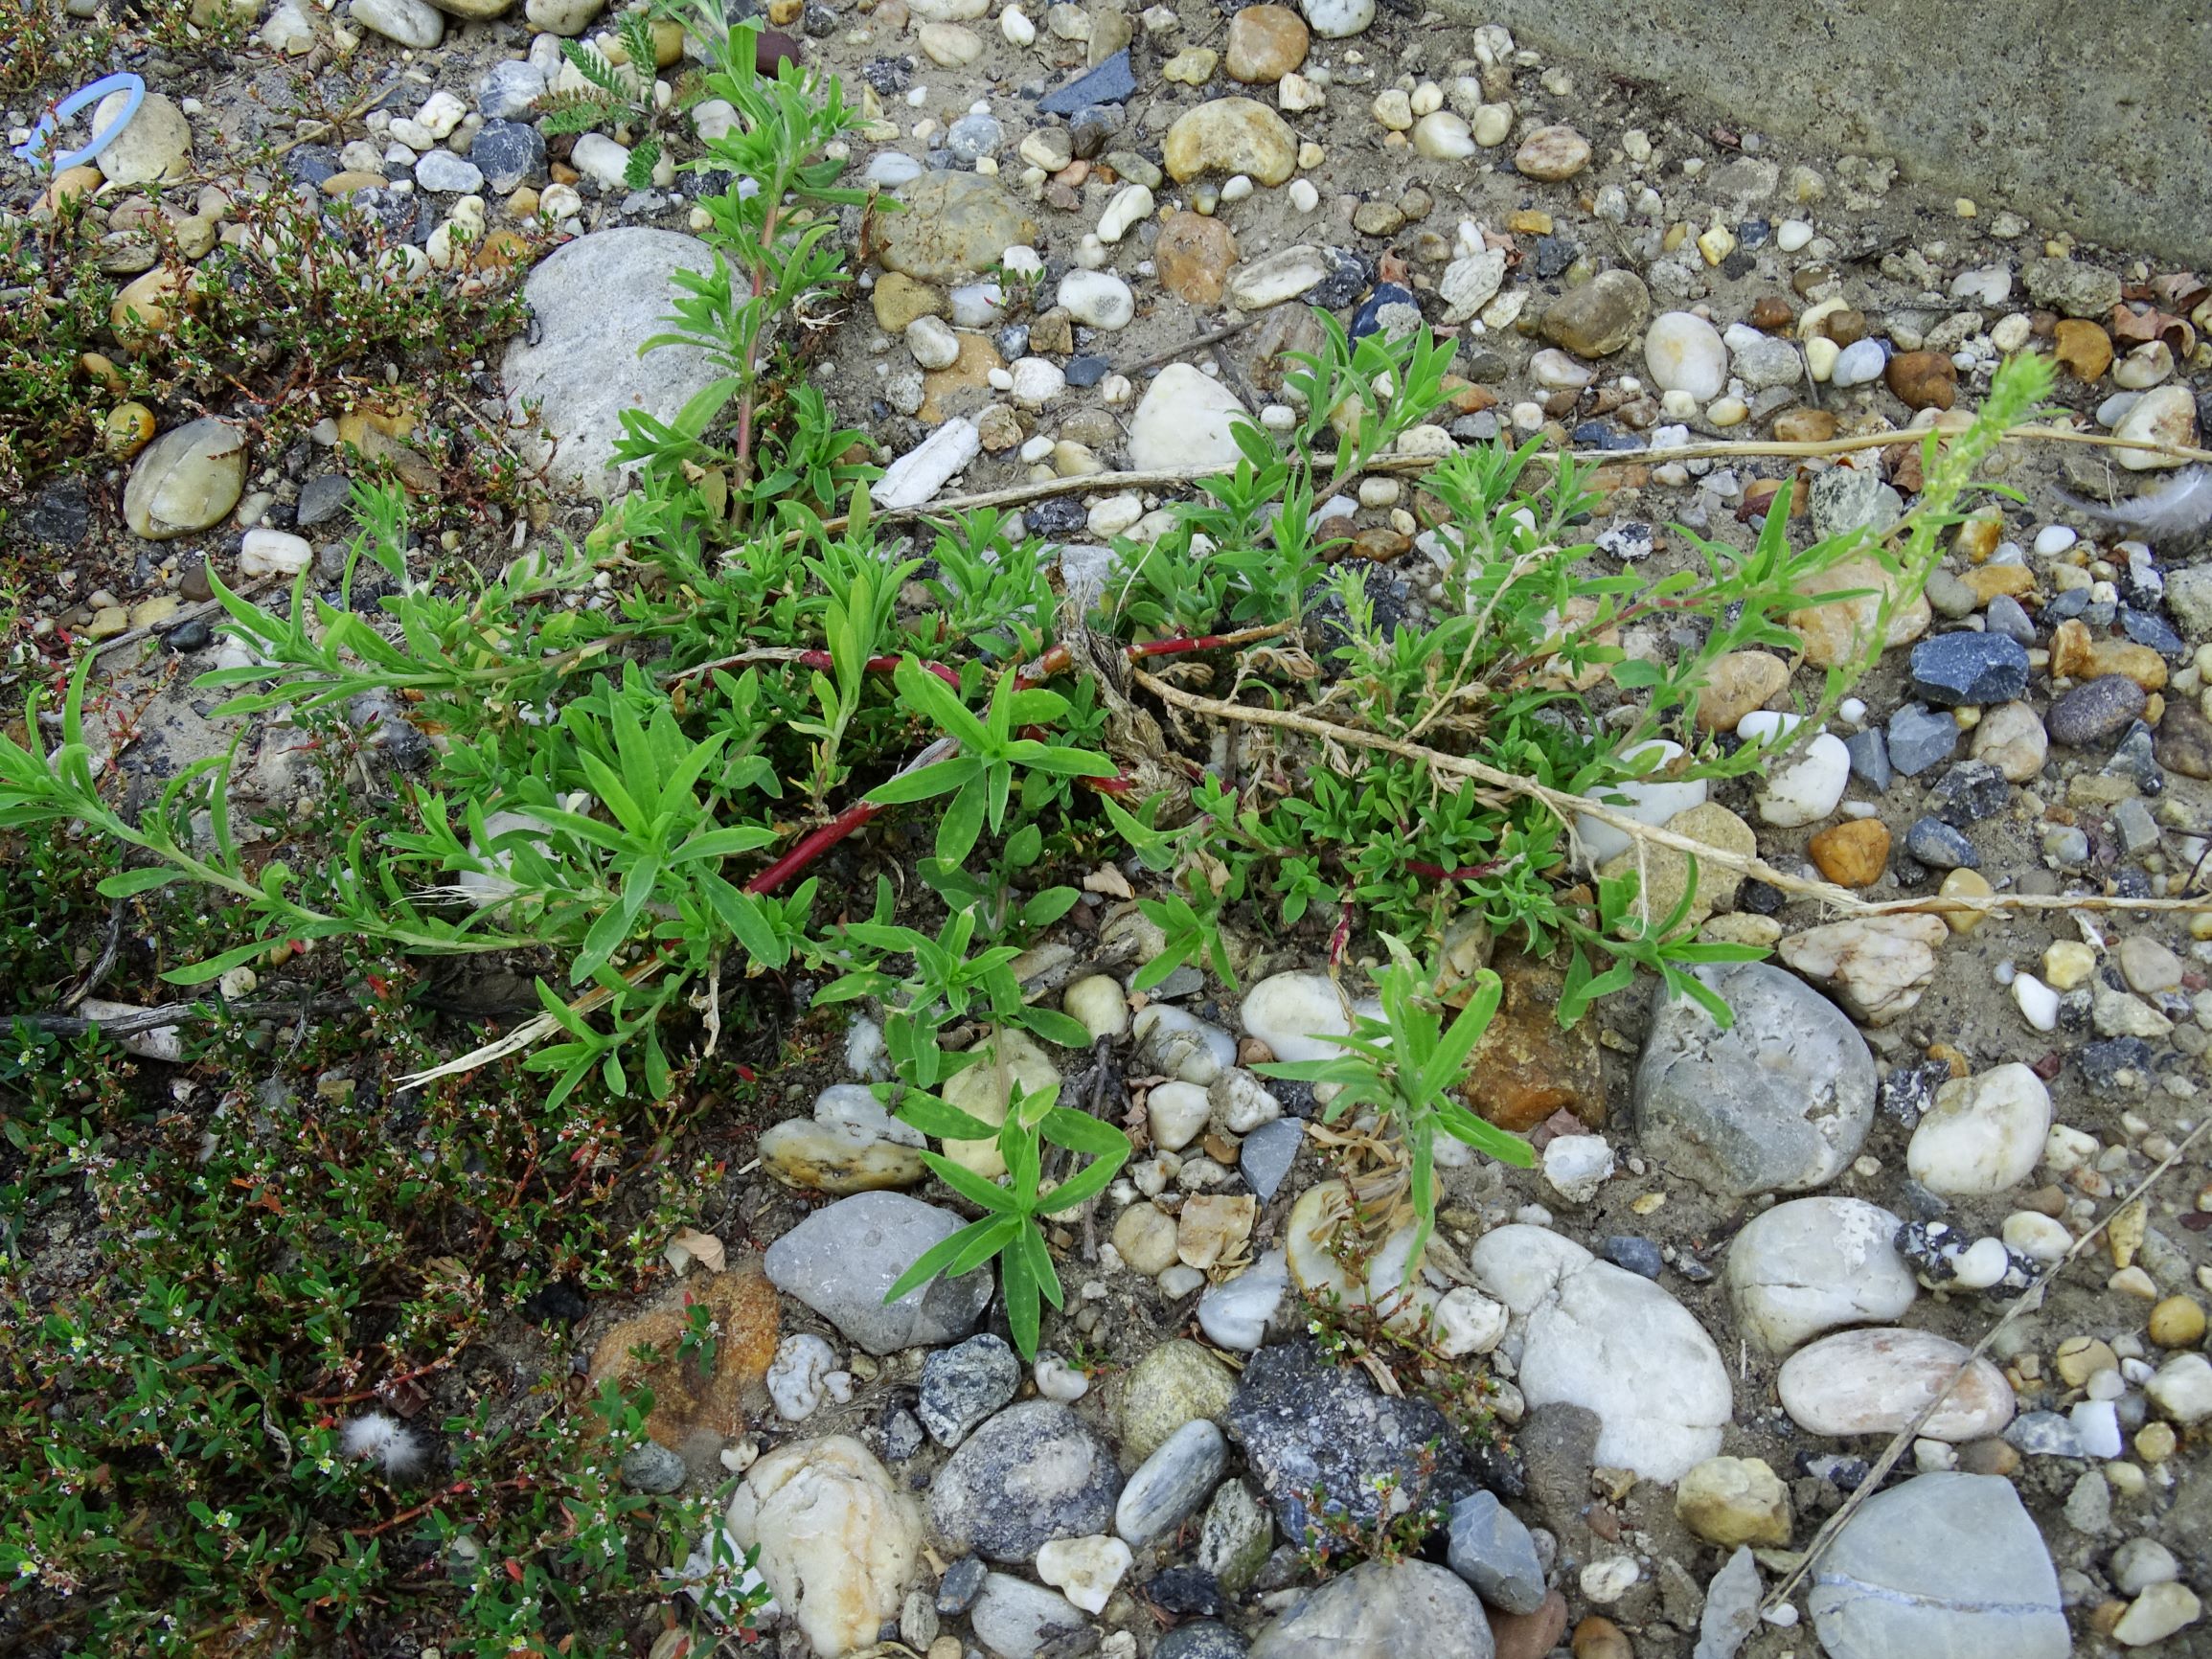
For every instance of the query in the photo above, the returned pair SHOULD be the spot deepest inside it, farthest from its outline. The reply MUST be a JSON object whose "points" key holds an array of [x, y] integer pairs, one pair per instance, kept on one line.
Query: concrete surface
{"points": [[2086, 117]]}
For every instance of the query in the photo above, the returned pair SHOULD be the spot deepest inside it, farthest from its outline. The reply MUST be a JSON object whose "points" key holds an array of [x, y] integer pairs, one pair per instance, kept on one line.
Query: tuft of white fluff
{"points": [[2179, 508], [383, 1440]]}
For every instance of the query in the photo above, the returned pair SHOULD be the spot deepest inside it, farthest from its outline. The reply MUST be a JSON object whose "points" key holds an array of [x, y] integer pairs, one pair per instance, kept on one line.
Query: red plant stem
{"points": [[817, 842], [745, 405], [1437, 872], [805, 659]]}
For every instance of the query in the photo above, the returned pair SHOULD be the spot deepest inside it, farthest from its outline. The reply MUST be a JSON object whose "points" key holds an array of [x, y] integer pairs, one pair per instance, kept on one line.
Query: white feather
{"points": [[383, 1440], [2180, 508]]}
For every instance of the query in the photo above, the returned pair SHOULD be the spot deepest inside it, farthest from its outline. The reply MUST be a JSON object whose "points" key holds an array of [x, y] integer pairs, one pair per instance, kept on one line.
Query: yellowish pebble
{"points": [[2176, 1322], [2124, 1234], [1965, 884], [2067, 963], [2156, 1442], [2081, 1358]]}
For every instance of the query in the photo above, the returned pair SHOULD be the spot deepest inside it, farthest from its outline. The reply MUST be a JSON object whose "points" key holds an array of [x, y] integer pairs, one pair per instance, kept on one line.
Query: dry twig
{"points": [[1567, 807]]}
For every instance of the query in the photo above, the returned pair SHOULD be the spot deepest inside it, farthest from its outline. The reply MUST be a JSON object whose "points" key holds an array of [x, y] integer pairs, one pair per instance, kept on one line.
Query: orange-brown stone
{"points": [[1853, 854], [1525, 1067], [695, 1410], [1194, 256]]}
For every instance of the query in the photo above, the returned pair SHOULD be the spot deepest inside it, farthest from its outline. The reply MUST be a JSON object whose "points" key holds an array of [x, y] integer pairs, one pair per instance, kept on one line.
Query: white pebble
{"points": [[1791, 235], [1099, 299], [2038, 1237], [2055, 539], [934, 344], [2039, 1003], [1982, 1264], [1304, 198]]}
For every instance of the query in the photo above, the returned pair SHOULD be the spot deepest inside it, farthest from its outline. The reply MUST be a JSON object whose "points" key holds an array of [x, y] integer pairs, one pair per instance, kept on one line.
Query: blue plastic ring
{"points": [[69, 107]]}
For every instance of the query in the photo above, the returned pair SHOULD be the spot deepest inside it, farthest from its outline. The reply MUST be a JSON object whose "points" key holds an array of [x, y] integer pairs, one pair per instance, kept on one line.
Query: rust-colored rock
{"points": [[1988, 580], [2083, 348], [1805, 425], [1923, 379], [1526, 1068], [1194, 256], [1529, 1635], [1846, 328], [695, 1412], [1598, 1637], [1853, 854], [1264, 44], [1771, 314], [2077, 654]]}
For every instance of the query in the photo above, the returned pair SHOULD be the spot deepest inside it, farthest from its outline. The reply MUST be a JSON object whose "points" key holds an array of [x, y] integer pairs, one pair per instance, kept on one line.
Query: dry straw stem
{"points": [[2029, 1300], [1565, 807], [1170, 477]]}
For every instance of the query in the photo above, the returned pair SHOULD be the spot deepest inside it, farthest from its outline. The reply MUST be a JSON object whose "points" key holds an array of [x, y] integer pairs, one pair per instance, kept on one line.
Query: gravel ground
{"points": [[1863, 1174]]}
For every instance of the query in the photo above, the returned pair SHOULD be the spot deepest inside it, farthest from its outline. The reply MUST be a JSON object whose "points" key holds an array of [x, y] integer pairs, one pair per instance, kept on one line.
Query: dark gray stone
{"points": [[1492, 1550], [957, 1590], [1093, 128], [1640, 1256], [963, 1385], [2094, 711], [1869, 753], [1779, 1102], [1086, 371], [323, 499], [1968, 793], [1268, 1154], [1200, 1639], [1921, 738], [1946, 1564], [1033, 1474], [1940, 846], [1348, 276], [1304, 1423], [652, 1468], [2116, 1062], [2147, 629], [1110, 82], [2005, 616], [1383, 1611], [61, 515], [509, 154], [843, 1258], [1957, 668]]}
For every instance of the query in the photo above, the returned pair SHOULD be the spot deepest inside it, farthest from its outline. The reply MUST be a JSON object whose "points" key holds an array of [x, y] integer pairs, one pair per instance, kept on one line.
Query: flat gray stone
{"points": [[1946, 1566], [1779, 1102], [597, 299], [841, 1261], [1493, 1551], [186, 480], [1014, 1618], [1033, 1474], [1383, 1612], [1168, 1485]]}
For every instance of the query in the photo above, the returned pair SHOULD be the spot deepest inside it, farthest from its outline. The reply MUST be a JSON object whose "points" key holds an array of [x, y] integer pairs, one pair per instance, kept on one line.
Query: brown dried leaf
{"points": [[691, 1245], [1108, 881]]}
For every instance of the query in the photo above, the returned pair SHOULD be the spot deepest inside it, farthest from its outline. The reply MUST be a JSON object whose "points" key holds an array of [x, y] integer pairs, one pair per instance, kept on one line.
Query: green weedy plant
{"points": [[773, 225], [616, 96], [1011, 1228], [1406, 1068], [948, 986]]}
